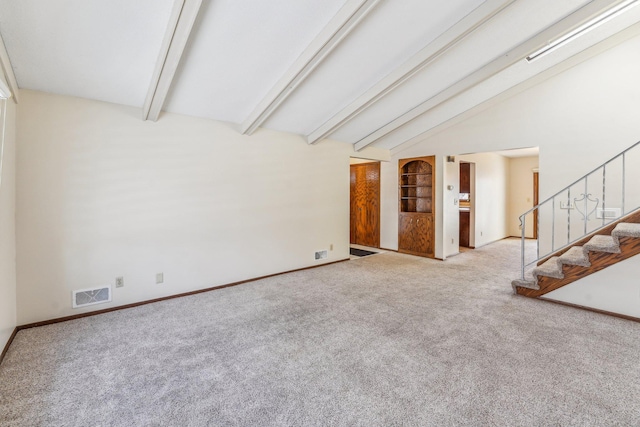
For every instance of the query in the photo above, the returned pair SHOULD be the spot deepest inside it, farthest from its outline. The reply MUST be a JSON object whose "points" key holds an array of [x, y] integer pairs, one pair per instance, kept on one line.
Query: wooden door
{"points": [[465, 177], [465, 224], [465, 215], [405, 232], [535, 203], [365, 204], [416, 234]]}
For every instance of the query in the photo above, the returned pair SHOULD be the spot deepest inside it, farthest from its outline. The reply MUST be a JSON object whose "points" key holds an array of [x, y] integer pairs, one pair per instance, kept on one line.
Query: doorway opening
{"points": [[466, 206], [364, 210], [484, 194]]}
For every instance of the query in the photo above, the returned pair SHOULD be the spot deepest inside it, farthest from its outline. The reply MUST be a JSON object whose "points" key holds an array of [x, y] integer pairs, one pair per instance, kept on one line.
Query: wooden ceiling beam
{"points": [[590, 52], [332, 34], [490, 69], [181, 22], [7, 69], [409, 68]]}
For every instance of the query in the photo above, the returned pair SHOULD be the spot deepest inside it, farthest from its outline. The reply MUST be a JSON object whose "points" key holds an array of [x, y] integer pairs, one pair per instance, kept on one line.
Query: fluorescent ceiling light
{"points": [[4, 91], [583, 29]]}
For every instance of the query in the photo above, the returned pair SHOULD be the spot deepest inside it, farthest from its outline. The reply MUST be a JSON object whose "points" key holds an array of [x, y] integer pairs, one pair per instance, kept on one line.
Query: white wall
{"points": [[389, 204], [520, 197], [8, 319], [98, 188], [578, 119], [356, 161], [614, 289], [102, 194], [451, 216]]}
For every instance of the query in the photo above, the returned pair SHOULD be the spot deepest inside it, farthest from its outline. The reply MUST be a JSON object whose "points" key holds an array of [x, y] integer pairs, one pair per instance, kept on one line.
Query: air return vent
{"points": [[84, 297], [608, 213]]}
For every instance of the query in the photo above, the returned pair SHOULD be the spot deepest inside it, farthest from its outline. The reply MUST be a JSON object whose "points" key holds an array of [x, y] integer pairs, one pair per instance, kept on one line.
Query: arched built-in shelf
{"points": [[416, 181]]}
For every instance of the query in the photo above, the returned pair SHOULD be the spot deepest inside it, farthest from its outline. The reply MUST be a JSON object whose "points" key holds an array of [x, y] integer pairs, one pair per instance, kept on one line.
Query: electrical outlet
{"points": [[331, 247], [452, 241], [119, 282], [160, 278]]}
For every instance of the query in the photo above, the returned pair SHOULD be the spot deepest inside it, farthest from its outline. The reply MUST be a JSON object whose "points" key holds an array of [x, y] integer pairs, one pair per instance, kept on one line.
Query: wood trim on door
{"points": [[365, 204], [535, 203]]}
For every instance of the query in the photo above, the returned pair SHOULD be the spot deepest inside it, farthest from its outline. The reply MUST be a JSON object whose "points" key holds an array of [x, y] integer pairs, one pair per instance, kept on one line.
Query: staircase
{"points": [[593, 230]]}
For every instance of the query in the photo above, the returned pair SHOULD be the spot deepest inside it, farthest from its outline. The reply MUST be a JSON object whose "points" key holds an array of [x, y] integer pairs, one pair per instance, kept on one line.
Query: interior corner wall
{"points": [[8, 316], [490, 209], [489, 197], [103, 194], [578, 118], [520, 197], [389, 203], [450, 208]]}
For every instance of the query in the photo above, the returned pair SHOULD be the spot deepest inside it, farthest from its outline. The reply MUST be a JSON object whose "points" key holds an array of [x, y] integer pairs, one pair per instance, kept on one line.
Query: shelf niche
{"points": [[416, 210], [416, 187]]}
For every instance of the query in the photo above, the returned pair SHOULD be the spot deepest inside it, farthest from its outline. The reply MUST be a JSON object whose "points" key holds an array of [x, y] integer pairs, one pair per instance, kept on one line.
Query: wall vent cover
{"points": [[84, 297], [321, 254], [608, 213]]}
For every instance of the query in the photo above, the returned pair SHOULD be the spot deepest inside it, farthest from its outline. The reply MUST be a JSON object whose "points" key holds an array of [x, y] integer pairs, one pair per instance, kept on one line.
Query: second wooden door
{"points": [[416, 234]]}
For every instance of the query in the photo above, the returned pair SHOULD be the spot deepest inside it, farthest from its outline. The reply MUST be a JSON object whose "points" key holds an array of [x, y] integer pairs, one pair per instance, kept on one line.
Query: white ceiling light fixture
{"points": [[5, 93], [583, 29]]}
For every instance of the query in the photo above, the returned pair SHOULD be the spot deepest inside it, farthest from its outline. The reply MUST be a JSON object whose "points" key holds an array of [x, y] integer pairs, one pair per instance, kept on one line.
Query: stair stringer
{"points": [[599, 250]]}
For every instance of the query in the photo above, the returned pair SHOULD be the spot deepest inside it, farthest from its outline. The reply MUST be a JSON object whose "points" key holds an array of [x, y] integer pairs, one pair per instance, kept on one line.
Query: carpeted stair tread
{"points": [[550, 268], [627, 229], [579, 255], [602, 243], [524, 283], [575, 256]]}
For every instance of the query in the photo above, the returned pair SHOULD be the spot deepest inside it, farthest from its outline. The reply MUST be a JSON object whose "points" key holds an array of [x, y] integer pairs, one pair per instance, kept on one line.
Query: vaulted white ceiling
{"points": [[368, 72]]}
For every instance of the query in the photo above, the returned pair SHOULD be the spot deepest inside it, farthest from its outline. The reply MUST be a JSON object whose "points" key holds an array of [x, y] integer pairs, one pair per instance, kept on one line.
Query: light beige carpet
{"points": [[385, 340]]}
